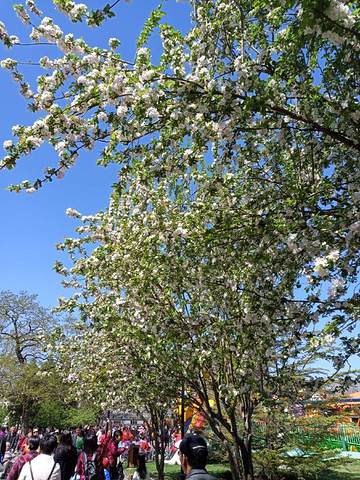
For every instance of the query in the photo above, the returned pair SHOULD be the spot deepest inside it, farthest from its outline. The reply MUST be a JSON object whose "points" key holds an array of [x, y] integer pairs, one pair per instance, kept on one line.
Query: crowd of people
{"points": [[82, 453]]}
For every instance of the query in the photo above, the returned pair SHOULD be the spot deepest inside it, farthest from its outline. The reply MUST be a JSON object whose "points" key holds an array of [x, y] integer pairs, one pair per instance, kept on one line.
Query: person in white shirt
{"points": [[43, 467]]}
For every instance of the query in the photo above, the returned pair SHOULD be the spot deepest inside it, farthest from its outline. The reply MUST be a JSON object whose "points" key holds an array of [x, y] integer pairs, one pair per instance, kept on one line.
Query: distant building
{"points": [[124, 417]]}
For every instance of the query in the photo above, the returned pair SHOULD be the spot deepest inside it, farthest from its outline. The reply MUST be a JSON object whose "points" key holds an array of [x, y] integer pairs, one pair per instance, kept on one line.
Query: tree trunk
{"points": [[246, 441], [240, 459], [157, 425], [232, 448], [234, 462], [25, 419], [246, 456]]}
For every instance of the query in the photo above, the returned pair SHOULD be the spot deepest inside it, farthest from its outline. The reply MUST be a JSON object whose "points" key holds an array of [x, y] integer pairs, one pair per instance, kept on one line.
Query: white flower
{"points": [[142, 51], [22, 14], [46, 63], [102, 117], [320, 267], [114, 43], [334, 255], [9, 63], [32, 7], [34, 35], [180, 232], [61, 173], [15, 130], [60, 147], [77, 10], [328, 339], [121, 111], [152, 113], [82, 80], [34, 141], [14, 39], [7, 144], [338, 283], [70, 212]]}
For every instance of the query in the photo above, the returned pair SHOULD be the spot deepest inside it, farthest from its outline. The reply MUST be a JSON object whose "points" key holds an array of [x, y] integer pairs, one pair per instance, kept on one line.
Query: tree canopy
{"points": [[24, 328]]}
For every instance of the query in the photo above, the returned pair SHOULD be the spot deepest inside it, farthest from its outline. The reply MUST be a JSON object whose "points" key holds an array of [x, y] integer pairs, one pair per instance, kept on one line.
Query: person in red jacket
{"points": [[111, 454]]}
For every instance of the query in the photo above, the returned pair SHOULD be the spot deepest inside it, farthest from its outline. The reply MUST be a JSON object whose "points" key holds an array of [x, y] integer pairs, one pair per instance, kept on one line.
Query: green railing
{"points": [[346, 436]]}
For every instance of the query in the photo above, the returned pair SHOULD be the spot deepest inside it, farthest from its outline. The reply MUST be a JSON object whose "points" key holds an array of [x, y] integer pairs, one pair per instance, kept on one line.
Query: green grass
{"points": [[348, 472], [172, 472]]}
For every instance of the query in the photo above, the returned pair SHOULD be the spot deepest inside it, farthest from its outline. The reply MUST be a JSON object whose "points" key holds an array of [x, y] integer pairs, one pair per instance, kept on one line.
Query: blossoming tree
{"points": [[233, 229], [119, 367]]}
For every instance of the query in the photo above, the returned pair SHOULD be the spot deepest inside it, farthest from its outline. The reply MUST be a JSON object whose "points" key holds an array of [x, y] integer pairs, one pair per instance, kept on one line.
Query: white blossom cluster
{"points": [[32, 7], [340, 12], [22, 14]]}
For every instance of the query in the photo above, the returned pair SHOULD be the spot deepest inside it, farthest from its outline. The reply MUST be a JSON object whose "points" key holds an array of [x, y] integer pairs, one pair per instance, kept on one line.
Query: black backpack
{"points": [[91, 470]]}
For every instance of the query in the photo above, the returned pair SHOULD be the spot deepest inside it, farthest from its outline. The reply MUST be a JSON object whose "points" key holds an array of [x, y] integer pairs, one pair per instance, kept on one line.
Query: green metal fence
{"points": [[346, 437]]}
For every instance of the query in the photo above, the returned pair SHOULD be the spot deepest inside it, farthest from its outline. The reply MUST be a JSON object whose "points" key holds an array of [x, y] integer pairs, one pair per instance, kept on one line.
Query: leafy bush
{"points": [[303, 448]]}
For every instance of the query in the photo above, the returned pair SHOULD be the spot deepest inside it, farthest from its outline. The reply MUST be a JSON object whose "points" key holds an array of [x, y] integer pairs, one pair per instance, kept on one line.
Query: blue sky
{"points": [[31, 225]]}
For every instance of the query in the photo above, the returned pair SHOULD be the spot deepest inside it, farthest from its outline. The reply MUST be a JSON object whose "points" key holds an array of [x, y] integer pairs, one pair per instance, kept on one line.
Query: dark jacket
{"points": [[199, 474], [13, 440], [2, 445]]}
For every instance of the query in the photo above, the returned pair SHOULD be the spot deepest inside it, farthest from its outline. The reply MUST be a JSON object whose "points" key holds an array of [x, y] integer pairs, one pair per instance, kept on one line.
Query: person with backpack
{"points": [[89, 465]]}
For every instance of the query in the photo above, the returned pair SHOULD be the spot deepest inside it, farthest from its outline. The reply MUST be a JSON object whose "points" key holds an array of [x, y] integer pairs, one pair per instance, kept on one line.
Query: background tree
{"points": [[121, 370], [23, 325], [30, 384]]}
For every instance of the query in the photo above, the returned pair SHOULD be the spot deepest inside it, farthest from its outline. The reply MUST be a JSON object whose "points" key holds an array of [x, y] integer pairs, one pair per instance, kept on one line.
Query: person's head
{"points": [[117, 436], [79, 430], [90, 443], [12, 430], [141, 462], [30, 432], [48, 444], [33, 442], [193, 452], [35, 432], [65, 438], [7, 446]]}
